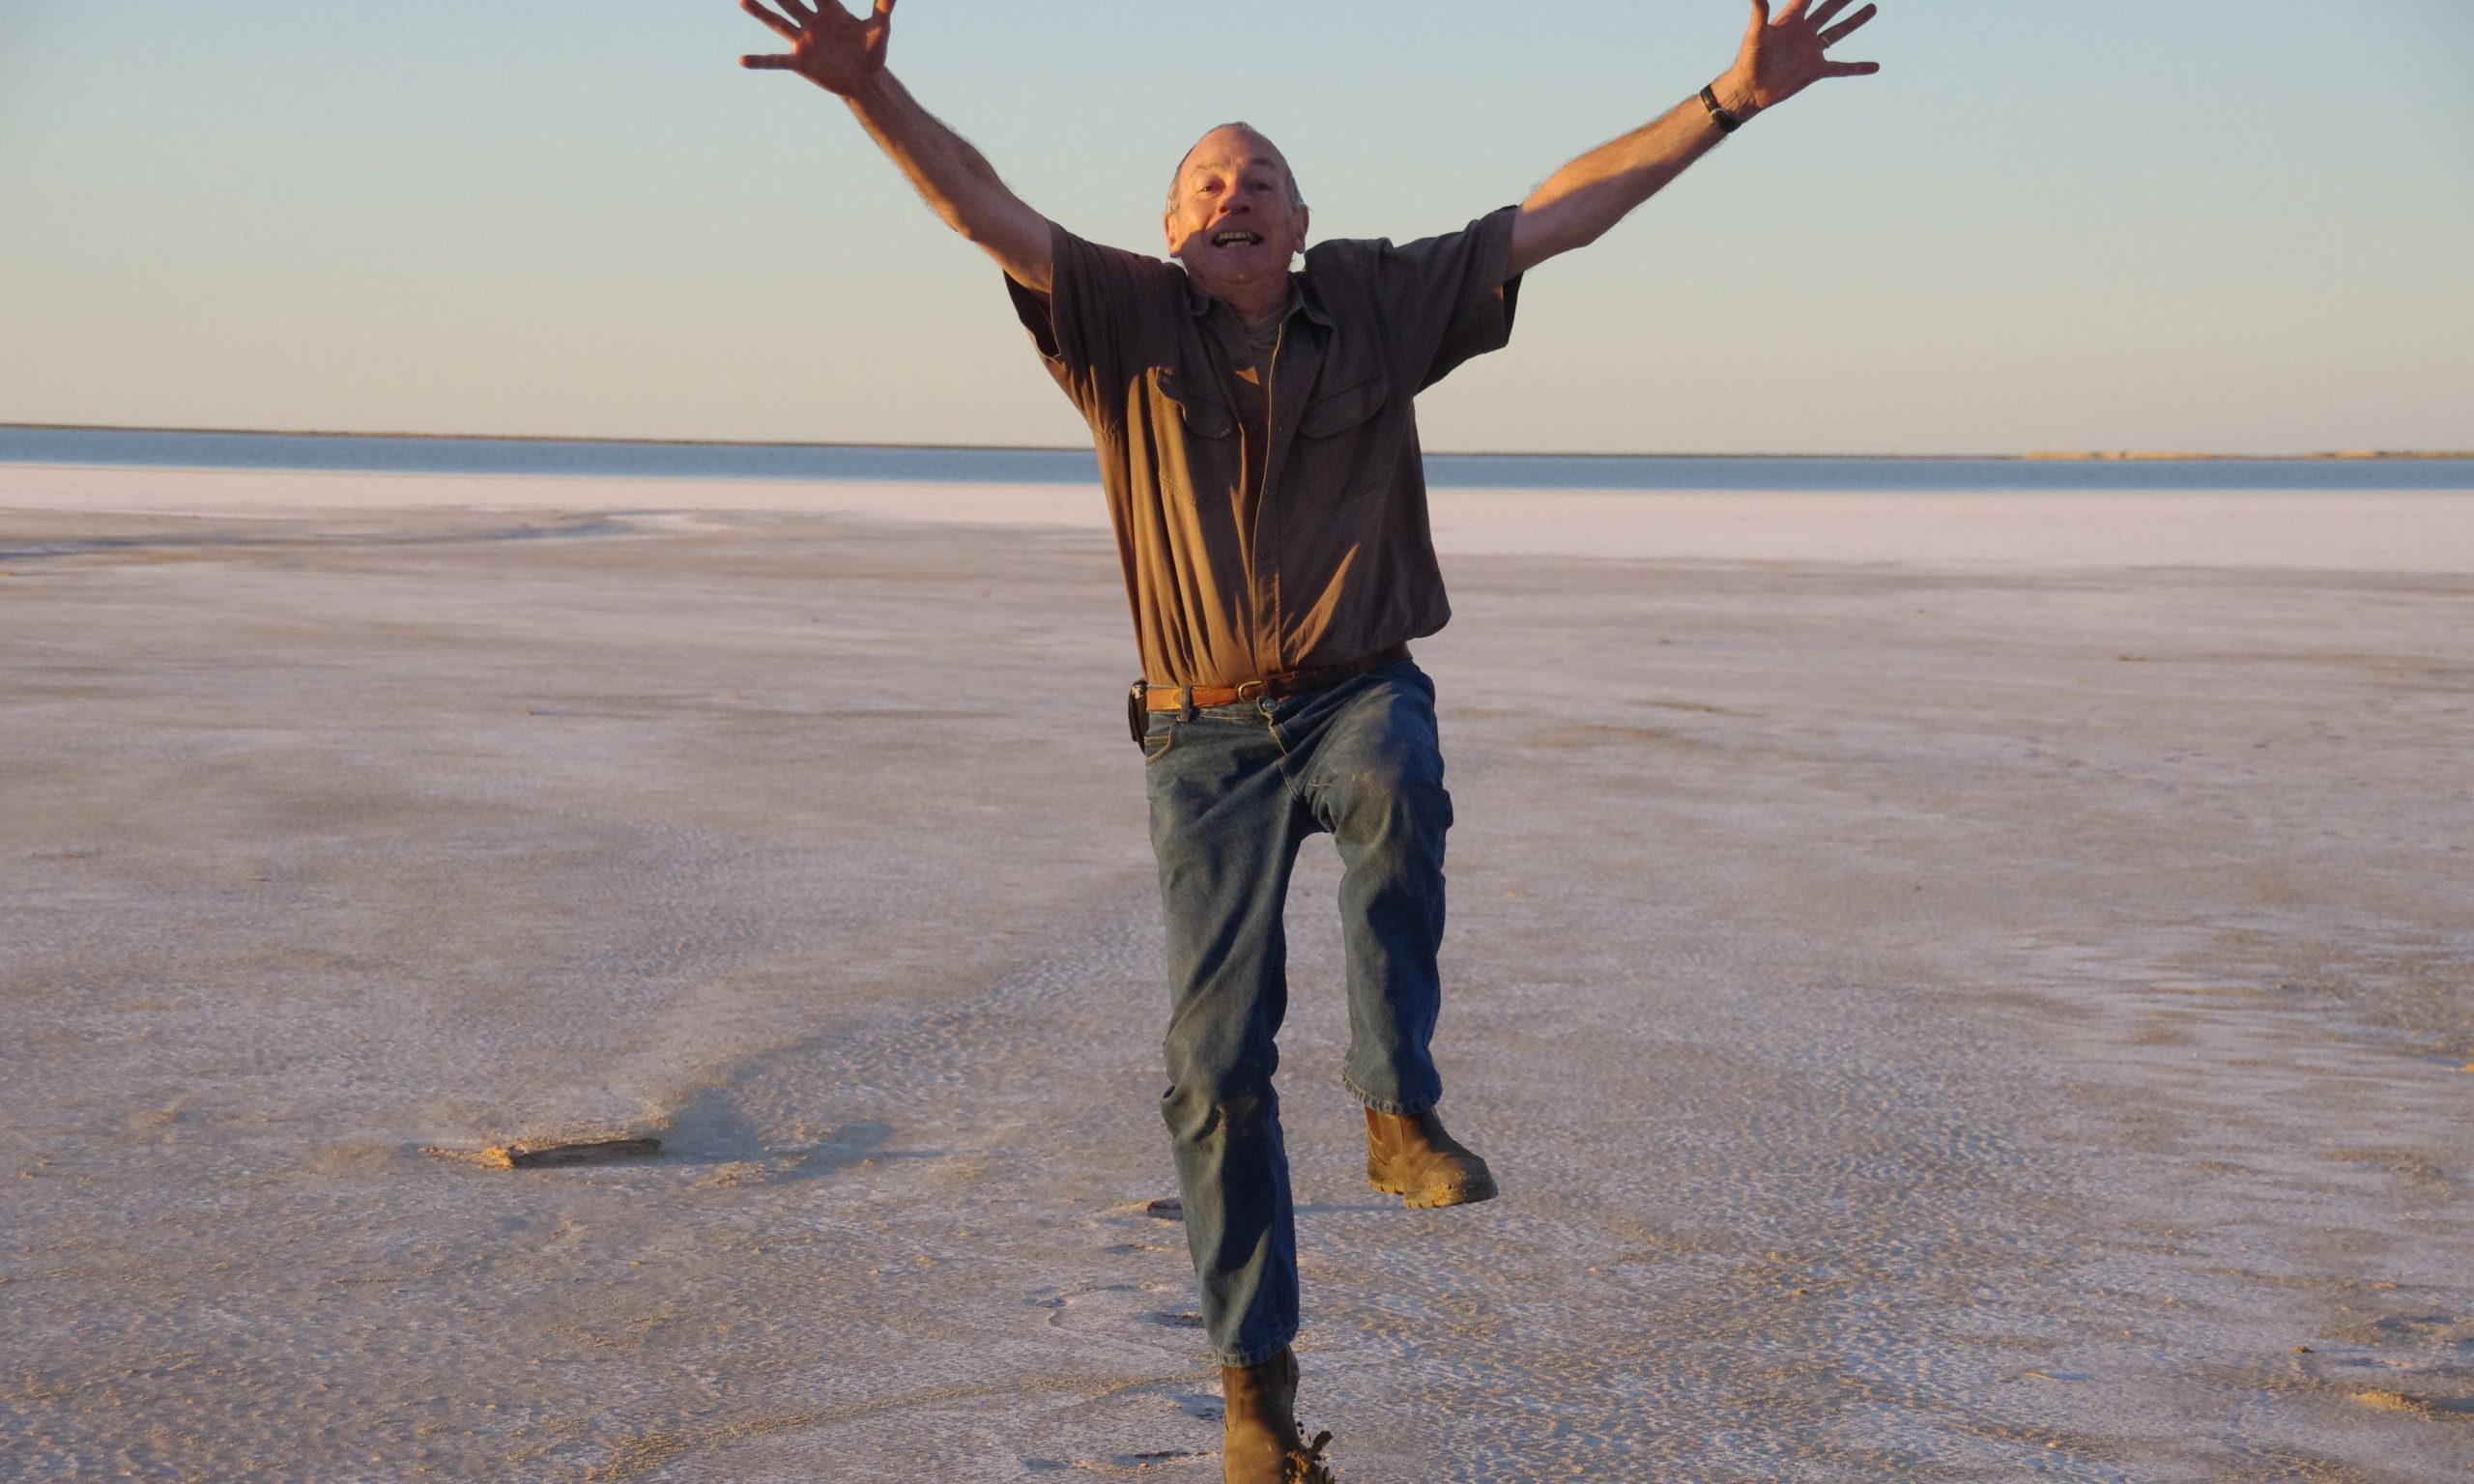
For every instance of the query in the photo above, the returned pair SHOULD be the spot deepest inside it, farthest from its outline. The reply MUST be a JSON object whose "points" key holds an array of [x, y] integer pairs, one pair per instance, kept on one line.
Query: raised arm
{"points": [[1780, 58], [845, 56]]}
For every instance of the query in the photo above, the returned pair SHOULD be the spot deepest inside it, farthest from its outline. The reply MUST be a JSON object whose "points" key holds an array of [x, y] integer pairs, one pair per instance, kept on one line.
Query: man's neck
{"points": [[1257, 304]]}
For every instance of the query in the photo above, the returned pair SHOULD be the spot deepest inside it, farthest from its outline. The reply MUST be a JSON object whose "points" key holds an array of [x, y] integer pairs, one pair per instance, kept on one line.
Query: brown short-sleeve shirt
{"points": [[1254, 544]]}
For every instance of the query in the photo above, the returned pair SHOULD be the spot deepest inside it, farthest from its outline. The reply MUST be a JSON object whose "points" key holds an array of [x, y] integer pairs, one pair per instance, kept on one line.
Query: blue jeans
{"points": [[1234, 792]]}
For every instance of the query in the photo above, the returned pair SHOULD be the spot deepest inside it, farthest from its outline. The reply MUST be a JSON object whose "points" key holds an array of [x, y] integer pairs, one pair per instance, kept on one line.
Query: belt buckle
{"points": [[1253, 690]]}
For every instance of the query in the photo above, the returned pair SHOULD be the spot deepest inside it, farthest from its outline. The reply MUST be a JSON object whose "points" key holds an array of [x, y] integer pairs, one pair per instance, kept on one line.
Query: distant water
{"points": [[371, 454]]}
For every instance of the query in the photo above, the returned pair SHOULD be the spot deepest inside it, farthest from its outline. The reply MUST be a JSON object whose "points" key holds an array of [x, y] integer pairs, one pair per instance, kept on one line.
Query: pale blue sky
{"points": [[2112, 223]]}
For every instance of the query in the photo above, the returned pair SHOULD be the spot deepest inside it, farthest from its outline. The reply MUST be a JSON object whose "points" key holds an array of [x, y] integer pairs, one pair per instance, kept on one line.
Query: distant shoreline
{"points": [[2128, 455], [2036, 456]]}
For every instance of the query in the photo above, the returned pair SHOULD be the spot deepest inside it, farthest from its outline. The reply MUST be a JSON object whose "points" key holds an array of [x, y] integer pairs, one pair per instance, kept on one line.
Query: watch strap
{"points": [[1727, 122]]}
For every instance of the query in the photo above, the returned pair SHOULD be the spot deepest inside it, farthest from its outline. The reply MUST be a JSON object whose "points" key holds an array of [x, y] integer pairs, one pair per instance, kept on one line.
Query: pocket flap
{"points": [[1199, 405], [1337, 412]]}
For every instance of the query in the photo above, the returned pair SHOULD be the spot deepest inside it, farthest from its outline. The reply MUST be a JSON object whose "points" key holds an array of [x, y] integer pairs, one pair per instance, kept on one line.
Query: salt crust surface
{"points": [[1952, 994], [2419, 531]]}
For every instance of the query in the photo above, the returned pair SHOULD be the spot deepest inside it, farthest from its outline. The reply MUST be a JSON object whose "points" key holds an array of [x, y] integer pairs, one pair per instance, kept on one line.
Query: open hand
{"points": [[1782, 57], [829, 47]]}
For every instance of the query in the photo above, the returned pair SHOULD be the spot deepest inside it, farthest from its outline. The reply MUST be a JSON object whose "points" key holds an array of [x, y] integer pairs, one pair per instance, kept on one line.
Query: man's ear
{"points": [[1168, 230]]}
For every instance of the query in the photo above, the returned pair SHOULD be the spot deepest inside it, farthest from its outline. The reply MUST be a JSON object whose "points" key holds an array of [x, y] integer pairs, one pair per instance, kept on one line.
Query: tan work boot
{"points": [[1408, 1154], [1258, 1440]]}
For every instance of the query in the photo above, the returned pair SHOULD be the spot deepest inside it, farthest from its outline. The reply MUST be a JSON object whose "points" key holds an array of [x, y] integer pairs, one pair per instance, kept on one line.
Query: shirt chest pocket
{"points": [[1334, 413], [1342, 451], [1191, 403], [1195, 447]]}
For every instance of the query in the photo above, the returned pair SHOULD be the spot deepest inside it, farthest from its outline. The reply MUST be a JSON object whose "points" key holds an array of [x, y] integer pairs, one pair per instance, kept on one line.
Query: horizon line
{"points": [[2035, 455]]}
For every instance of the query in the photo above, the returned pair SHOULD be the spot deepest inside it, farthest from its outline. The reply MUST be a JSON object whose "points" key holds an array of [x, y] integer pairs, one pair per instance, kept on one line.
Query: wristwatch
{"points": [[1728, 122]]}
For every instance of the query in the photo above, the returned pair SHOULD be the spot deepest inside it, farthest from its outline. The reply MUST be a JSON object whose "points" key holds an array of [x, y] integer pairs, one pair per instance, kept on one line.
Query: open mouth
{"points": [[1236, 240]]}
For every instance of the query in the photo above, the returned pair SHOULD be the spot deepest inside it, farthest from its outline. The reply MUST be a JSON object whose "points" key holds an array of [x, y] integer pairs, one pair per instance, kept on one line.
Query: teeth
{"points": [[1231, 238]]}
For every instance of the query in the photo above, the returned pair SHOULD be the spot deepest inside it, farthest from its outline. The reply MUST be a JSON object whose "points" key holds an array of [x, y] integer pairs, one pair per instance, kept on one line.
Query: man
{"points": [[1259, 454]]}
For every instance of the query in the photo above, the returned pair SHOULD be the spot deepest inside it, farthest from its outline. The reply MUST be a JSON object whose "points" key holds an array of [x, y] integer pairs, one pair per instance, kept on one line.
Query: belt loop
{"points": [[1186, 694]]}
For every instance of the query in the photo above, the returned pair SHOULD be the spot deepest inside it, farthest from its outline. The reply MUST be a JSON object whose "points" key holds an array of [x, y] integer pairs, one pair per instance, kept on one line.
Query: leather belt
{"points": [[1146, 697]]}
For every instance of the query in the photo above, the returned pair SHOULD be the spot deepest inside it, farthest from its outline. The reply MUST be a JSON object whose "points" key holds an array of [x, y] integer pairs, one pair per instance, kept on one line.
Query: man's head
{"points": [[1235, 216]]}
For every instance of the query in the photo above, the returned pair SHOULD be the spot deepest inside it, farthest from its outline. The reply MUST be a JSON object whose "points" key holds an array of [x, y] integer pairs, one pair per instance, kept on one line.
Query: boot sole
{"points": [[1467, 1192]]}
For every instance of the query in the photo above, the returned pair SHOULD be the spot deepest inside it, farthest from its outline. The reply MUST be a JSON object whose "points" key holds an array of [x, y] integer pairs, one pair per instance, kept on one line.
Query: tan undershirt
{"points": [[1254, 407]]}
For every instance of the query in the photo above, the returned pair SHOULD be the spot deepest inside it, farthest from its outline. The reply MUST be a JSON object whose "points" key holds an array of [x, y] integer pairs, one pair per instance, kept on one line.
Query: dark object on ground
{"points": [[551, 1155], [1308, 1468]]}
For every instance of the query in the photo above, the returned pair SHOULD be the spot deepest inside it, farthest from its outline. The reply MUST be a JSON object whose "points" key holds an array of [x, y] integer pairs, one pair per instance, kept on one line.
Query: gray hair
{"points": [[1296, 197]]}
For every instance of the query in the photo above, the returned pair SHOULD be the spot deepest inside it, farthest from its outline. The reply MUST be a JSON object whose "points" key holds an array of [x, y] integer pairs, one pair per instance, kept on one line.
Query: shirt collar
{"points": [[1301, 300]]}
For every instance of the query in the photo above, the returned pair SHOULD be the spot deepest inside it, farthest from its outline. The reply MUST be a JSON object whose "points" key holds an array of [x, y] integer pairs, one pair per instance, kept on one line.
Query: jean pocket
{"points": [[1160, 738]]}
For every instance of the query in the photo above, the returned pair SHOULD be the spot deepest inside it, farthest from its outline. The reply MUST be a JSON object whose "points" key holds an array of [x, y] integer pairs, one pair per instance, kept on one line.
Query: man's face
{"points": [[1233, 219]]}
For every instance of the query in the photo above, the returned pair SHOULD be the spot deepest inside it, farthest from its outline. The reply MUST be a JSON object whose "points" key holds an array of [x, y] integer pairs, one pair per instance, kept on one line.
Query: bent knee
{"points": [[1197, 1107]]}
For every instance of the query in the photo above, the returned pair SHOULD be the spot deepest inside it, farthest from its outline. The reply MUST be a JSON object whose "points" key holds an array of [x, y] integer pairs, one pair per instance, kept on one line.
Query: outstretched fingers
{"points": [[1840, 32], [1850, 69], [831, 47], [766, 13]]}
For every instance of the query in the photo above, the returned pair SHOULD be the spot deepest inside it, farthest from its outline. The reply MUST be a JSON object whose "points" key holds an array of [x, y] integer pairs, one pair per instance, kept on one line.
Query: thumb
{"points": [[1760, 17]]}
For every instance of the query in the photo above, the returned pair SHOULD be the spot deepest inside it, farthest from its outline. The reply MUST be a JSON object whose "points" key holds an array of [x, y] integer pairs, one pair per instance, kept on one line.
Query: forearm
{"points": [[955, 178], [1580, 202]]}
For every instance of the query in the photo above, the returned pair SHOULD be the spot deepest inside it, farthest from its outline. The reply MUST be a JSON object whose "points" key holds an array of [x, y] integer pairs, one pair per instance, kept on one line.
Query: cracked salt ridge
{"points": [[1853, 1213]]}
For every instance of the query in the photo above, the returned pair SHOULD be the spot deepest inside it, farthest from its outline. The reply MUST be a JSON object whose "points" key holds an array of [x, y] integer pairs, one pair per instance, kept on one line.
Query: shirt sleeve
{"points": [[1088, 326], [1445, 298]]}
